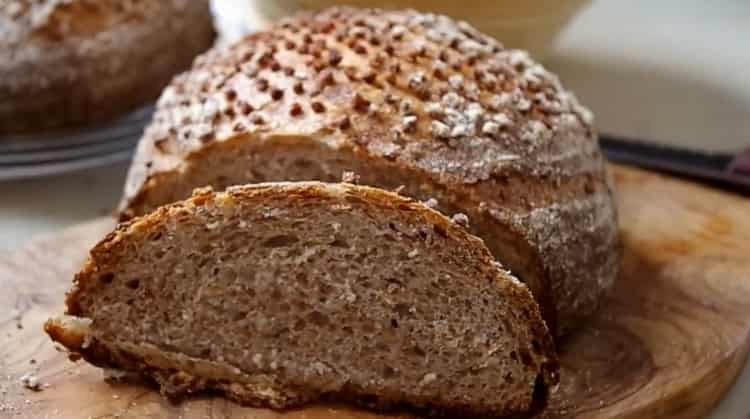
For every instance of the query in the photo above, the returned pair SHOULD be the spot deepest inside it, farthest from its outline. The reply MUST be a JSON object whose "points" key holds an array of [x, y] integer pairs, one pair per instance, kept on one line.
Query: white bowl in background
{"points": [[527, 24]]}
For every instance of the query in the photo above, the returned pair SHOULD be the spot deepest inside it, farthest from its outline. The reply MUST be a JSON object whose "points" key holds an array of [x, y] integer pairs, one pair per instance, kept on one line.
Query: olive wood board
{"points": [[669, 342]]}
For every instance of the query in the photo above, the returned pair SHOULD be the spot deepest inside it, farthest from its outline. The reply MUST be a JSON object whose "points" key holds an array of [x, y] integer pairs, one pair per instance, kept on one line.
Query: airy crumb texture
{"points": [[400, 98], [283, 294]]}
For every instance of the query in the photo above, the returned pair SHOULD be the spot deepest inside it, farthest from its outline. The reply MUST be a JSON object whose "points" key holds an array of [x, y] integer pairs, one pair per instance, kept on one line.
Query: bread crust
{"points": [[449, 109], [67, 63], [170, 369]]}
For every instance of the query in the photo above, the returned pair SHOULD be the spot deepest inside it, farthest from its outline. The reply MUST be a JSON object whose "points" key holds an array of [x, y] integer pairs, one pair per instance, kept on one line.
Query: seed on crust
{"points": [[318, 107], [296, 109], [360, 103]]}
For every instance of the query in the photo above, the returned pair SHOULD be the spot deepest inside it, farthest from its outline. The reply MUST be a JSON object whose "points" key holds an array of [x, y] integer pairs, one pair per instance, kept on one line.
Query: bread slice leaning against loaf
{"points": [[401, 98], [287, 293]]}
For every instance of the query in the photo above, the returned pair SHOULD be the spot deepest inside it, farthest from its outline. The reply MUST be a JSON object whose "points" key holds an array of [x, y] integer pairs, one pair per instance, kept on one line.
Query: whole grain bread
{"points": [[401, 98], [73, 62], [287, 293]]}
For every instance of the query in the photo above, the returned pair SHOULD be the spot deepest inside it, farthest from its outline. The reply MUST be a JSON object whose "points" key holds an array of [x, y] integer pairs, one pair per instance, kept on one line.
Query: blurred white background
{"points": [[668, 70]]}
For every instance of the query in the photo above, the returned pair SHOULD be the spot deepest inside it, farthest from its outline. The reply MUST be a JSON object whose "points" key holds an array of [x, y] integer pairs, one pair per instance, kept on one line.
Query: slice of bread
{"points": [[286, 293]]}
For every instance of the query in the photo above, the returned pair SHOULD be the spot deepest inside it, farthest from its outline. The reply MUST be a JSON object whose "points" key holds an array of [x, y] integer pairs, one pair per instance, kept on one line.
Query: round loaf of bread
{"points": [[405, 100], [71, 62]]}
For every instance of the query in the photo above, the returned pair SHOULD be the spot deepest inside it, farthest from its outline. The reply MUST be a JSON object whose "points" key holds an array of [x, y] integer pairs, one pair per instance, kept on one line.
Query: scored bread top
{"points": [[420, 89]]}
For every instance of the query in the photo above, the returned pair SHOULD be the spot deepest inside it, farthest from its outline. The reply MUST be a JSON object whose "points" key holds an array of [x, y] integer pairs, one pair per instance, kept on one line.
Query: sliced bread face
{"points": [[287, 293]]}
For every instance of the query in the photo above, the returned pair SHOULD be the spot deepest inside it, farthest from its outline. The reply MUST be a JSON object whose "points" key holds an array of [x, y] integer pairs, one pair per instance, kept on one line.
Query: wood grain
{"points": [[670, 341]]}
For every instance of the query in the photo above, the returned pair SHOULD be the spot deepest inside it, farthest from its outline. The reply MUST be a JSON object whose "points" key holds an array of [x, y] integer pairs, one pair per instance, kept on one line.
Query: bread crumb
{"points": [[434, 109], [502, 120], [205, 190], [428, 378], [460, 219], [409, 123], [490, 128], [452, 100], [440, 130], [456, 81], [16, 315], [349, 296], [414, 253], [431, 203], [31, 382], [350, 177], [398, 31], [405, 106], [416, 80], [523, 104], [320, 368], [116, 376], [461, 130]]}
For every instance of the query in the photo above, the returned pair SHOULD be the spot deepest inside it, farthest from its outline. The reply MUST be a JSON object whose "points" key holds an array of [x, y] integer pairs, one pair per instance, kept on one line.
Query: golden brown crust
{"points": [[71, 330], [70, 62], [420, 94]]}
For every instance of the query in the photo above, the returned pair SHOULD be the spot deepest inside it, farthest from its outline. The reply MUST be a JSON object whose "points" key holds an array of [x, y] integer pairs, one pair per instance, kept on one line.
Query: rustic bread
{"points": [[282, 294], [79, 61], [408, 99]]}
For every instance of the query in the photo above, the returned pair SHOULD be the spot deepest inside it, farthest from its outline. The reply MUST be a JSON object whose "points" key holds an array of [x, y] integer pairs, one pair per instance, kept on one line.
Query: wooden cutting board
{"points": [[670, 341]]}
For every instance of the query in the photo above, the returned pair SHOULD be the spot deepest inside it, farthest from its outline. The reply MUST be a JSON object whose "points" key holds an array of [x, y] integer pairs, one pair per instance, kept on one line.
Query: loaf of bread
{"points": [[282, 294], [65, 63], [403, 99]]}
